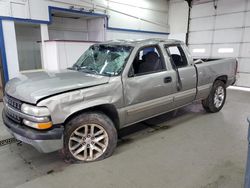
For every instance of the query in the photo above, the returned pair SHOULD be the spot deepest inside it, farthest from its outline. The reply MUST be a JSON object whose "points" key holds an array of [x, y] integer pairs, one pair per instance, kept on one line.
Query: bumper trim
{"points": [[43, 146], [44, 141], [30, 133]]}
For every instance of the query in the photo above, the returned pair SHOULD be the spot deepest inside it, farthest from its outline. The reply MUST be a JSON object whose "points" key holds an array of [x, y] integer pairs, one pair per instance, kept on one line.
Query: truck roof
{"points": [[142, 42]]}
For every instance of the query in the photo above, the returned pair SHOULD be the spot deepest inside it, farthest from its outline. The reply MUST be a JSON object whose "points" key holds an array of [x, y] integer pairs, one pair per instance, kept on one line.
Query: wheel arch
{"points": [[223, 78], [108, 109]]}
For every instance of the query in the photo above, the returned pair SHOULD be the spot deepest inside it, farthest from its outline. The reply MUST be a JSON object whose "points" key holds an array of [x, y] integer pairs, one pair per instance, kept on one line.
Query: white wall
{"points": [[178, 19], [28, 48], [112, 35], [96, 30], [128, 14], [10, 47], [225, 28], [68, 29], [142, 15], [44, 37], [144, 12], [63, 54]]}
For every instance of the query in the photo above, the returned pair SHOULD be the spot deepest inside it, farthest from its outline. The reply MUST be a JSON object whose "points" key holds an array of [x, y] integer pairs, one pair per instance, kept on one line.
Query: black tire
{"points": [[209, 103], [89, 118]]}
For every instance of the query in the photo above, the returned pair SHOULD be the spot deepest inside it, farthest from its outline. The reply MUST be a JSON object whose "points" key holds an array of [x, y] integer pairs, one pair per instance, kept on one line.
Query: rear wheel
{"points": [[89, 137], [216, 99]]}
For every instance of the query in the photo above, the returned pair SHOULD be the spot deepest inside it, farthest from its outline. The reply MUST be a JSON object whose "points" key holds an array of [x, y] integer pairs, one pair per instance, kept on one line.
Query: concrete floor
{"points": [[193, 149]]}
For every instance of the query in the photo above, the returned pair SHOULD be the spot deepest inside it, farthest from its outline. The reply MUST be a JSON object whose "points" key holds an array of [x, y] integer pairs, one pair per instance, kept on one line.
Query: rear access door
{"points": [[186, 74]]}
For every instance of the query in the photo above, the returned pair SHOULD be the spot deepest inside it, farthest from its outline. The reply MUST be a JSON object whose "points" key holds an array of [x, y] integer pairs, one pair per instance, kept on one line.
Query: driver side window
{"points": [[147, 60]]}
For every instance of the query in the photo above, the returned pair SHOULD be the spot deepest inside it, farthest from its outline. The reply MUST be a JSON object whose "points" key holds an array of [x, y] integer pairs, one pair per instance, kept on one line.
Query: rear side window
{"points": [[177, 56]]}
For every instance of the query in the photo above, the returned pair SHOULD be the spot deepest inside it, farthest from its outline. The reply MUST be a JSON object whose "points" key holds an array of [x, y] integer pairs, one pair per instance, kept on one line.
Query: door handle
{"points": [[168, 79]]}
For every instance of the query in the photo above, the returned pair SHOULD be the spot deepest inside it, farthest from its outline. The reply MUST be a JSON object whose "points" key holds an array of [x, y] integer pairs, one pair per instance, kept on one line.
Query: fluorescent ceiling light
{"points": [[225, 50], [199, 50]]}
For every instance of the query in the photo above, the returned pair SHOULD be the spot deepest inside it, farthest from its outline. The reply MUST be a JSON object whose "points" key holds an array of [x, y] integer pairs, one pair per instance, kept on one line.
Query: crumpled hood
{"points": [[33, 86]]}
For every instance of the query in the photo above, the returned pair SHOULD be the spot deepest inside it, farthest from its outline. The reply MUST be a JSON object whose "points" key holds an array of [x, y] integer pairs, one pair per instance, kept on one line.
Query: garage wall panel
{"points": [[18, 10], [242, 79], [118, 20], [201, 37], [229, 21], [95, 30], [229, 6], [245, 51], [148, 27], [5, 8], [111, 35], [247, 23], [39, 9], [68, 29], [228, 35], [201, 10], [178, 16], [244, 65], [69, 24], [201, 24], [177, 36], [246, 35], [142, 13]]}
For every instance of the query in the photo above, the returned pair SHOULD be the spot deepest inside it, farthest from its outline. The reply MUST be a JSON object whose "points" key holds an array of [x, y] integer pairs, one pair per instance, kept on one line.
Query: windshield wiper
{"points": [[71, 68], [74, 67], [107, 74], [88, 70]]}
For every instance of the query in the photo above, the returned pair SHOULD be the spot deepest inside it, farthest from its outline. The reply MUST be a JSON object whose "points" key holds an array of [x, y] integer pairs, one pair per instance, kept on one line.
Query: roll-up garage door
{"points": [[221, 29]]}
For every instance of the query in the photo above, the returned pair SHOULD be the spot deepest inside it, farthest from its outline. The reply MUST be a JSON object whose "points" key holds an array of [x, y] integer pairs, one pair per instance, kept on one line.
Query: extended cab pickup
{"points": [[111, 86]]}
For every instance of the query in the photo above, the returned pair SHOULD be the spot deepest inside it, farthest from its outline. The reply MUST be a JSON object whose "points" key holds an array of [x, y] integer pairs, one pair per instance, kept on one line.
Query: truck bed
{"points": [[210, 70]]}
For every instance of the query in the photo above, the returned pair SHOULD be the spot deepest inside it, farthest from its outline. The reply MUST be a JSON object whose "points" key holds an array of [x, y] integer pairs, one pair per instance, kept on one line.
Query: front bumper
{"points": [[44, 141]]}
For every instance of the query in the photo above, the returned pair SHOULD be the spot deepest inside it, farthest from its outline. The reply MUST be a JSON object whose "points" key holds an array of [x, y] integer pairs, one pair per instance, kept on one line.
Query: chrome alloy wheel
{"points": [[219, 97], [88, 142]]}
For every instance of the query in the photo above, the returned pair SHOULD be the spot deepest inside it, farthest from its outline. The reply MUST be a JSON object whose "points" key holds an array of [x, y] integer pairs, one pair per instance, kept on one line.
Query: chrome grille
{"points": [[13, 116], [14, 102]]}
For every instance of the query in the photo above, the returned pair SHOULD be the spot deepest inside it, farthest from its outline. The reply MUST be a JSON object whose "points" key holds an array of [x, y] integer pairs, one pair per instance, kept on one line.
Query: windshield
{"points": [[103, 59]]}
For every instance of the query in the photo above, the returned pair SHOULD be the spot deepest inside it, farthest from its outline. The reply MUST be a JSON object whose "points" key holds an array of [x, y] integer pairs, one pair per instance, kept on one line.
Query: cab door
{"points": [[148, 85], [186, 75]]}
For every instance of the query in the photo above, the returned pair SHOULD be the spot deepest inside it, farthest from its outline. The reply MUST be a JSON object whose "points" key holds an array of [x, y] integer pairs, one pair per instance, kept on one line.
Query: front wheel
{"points": [[216, 99], [89, 137]]}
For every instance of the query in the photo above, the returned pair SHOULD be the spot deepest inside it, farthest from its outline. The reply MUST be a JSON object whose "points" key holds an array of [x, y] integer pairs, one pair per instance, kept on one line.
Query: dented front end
{"points": [[42, 123]]}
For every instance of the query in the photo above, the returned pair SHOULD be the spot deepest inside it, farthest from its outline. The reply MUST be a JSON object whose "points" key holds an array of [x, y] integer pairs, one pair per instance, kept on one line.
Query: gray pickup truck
{"points": [[111, 86]]}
